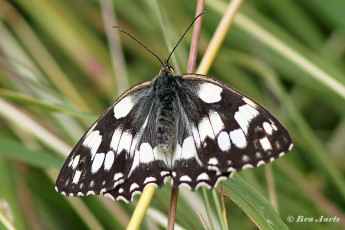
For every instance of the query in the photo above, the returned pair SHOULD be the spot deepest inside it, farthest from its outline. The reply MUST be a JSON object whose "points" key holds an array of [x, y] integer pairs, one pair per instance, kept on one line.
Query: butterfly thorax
{"points": [[165, 88]]}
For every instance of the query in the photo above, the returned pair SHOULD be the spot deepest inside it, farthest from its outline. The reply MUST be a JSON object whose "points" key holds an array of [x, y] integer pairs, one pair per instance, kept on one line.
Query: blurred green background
{"points": [[62, 64]]}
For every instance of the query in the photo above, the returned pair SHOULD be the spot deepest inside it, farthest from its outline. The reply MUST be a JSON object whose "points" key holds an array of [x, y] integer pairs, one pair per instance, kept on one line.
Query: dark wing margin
{"points": [[115, 150], [231, 132]]}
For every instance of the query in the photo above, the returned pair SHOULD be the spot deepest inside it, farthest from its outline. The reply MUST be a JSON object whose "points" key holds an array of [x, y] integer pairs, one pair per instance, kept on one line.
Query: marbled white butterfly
{"points": [[190, 129]]}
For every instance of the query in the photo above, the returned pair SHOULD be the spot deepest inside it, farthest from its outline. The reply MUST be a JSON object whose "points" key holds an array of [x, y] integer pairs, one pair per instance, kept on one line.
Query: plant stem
{"points": [[271, 189], [172, 209]]}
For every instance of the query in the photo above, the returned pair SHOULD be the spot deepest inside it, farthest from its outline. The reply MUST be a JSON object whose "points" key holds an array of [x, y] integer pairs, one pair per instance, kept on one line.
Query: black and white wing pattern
{"points": [[191, 130], [231, 132], [116, 150]]}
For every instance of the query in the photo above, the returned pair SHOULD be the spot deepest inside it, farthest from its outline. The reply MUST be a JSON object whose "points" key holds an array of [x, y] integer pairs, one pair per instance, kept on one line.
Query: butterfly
{"points": [[190, 129]]}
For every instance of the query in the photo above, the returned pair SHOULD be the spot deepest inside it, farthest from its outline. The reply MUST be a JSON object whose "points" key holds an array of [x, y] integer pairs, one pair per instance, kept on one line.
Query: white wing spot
{"points": [[133, 187], [244, 115], [247, 166], [75, 162], [277, 144], [268, 128], [260, 163], [203, 176], [76, 177], [136, 161], [185, 185], [245, 158], [238, 138], [231, 169], [242, 121], [265, 144], [248, 111], [70, 162], [216, 122], [177, 154], [109, 196], [281, 154], [123, 107], [210, 93], [212, 161], [97, 162], [188, 148], [109, 160], [168, 179], [90, 193], [185, 178], [146, 153], [125, 142], [118, 176], [164, 173], [258, 155], [203, 184], [149, 180], [116, 139], [213, 168], [252, 110], [273, 125], [224, 141], [205, 129], [92, 141]]}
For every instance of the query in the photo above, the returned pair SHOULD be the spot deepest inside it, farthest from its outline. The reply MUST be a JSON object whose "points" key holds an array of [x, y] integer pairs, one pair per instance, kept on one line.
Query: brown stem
{"points": [[172, 209], [195, 40]]}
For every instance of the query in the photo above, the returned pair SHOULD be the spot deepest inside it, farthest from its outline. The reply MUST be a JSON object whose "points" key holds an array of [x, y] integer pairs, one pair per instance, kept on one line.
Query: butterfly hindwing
{"points": [[230, 130]]}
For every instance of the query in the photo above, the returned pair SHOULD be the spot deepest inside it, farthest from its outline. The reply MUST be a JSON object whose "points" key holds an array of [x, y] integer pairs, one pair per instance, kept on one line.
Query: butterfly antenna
{"points": [[185, 33], [121, 30]]}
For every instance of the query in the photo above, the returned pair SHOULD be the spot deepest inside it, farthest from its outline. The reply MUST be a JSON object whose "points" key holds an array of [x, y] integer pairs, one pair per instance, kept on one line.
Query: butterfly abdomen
{"points": [[166, 119]]}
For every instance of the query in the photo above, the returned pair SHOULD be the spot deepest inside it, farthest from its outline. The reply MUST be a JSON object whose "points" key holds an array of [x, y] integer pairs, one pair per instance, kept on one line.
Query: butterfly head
{"points": [[166, 68]]}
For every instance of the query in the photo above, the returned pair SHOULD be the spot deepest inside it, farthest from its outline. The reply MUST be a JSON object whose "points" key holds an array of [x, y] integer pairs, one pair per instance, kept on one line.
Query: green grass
{"points": [[61, 66]]}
